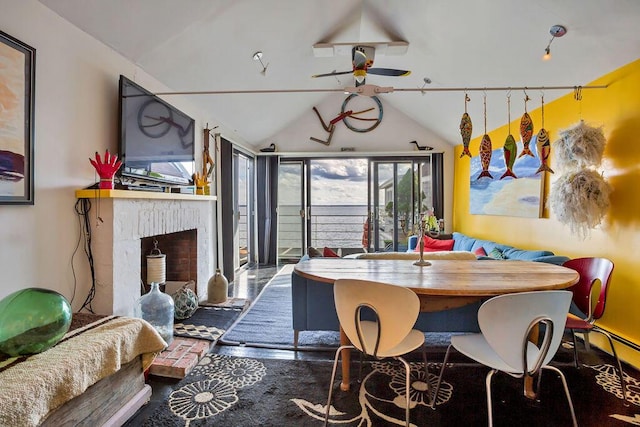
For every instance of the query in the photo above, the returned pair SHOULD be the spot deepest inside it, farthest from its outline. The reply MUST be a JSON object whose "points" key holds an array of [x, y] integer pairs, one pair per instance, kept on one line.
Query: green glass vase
{"points": [[32, 320]]}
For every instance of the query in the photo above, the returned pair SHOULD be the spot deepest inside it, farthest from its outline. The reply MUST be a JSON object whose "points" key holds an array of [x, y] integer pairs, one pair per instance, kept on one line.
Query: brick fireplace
{"points": [[181, 254], [184, 226]]}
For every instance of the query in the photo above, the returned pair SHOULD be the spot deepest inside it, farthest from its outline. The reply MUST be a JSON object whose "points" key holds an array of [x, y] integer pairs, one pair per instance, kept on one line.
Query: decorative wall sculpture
{"points": [[580, 197], [500, 183]]}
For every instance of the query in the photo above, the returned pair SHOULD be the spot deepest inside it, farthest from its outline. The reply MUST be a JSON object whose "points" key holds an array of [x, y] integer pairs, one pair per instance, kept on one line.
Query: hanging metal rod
{"points": [[422, 90], [230, 92], [504, 88]]}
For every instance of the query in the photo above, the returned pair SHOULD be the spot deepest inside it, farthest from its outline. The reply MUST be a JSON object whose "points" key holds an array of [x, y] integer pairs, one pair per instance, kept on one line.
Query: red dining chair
{"points": [[592, 271]]}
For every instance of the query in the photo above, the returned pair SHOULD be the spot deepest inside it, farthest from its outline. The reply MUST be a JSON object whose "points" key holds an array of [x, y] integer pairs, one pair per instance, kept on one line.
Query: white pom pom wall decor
{"points": [[580, 199], [579, 146]]}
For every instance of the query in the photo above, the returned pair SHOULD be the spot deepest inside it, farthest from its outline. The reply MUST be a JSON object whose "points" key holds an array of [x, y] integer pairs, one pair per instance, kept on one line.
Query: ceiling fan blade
{"points": [[388, 72], [333, 73]]}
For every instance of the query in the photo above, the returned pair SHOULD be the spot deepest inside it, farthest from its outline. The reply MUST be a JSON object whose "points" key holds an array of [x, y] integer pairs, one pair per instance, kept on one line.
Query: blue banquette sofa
{"points": [[314, 308]]}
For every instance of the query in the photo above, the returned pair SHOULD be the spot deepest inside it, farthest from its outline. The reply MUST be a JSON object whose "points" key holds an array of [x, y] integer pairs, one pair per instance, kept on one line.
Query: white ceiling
{"points": [[208, 45]]}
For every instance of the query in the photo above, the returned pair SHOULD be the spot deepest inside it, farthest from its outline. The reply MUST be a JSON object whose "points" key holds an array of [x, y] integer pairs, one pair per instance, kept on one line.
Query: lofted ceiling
{"points": [[208, 45]]}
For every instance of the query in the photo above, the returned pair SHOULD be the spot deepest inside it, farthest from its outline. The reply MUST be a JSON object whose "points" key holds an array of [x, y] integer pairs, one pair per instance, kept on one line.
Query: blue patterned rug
{"points": [[268, 323]]}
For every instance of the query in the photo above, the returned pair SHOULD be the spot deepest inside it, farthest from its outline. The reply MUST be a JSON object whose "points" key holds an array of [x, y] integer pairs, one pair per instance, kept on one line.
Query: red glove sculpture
{"points": [[107, 169]]}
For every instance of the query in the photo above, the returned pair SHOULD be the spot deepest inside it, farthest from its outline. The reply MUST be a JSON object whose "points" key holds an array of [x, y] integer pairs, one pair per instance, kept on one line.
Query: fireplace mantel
{"points": [[139, 194], [121, 218]]}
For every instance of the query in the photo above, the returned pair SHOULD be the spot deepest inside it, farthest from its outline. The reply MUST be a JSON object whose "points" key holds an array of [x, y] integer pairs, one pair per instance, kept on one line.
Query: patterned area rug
{"points": [[231, 391], [209, 322]]}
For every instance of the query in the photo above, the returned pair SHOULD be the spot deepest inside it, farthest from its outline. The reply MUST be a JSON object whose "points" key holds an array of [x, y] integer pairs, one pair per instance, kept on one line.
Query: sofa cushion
{"points": [[552, 259], [513, 253], [433, 245], [413, 256], [480, 251], [496, 254], [462, 242], [488, 246], [313, 252], [329, 253]]}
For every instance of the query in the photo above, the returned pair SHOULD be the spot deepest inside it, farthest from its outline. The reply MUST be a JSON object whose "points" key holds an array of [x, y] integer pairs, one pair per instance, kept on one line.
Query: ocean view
{"points": [[331, 225]]}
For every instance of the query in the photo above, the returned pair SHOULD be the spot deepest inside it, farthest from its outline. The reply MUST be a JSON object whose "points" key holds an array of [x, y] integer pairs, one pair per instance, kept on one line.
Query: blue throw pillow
{"points": [[462, 242]]}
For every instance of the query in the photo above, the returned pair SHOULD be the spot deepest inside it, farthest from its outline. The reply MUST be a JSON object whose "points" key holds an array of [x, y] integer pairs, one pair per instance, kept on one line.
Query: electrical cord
{"points": [[82, 208]]}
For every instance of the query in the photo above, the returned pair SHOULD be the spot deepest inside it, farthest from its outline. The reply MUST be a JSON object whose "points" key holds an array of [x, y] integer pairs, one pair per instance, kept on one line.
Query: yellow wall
{"points": [[617, 109]]}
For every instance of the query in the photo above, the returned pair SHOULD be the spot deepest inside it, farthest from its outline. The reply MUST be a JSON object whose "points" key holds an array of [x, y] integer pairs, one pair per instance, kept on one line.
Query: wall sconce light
{"points": [[258, 57], [555, 31]]}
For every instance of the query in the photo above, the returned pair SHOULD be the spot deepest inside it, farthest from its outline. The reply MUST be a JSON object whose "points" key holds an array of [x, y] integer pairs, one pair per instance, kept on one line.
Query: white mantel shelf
{"points": [[139, 194]]}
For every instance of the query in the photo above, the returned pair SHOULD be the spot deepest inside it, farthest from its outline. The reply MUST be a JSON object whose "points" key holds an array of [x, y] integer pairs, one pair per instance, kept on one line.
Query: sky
{"points": [[333, 182]]}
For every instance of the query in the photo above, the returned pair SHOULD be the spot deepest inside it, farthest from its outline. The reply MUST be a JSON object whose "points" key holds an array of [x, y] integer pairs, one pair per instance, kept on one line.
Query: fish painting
{"points": [[510, 150], [544, 150], [465, 130], [485, 156], [526, 132]]}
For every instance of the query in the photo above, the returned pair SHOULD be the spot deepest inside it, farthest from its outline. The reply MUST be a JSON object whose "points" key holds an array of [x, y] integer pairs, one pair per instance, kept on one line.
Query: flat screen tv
{"points": [[156, 139]]}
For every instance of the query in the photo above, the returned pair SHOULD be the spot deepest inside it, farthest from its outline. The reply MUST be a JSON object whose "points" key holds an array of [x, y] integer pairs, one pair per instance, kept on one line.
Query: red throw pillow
{"points": [[435, 245], [480, 251], [328, 252]]}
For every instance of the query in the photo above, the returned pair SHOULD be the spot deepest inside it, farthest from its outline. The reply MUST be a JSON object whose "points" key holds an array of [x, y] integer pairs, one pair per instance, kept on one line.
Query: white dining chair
{"points": [[390, 335], [506, 324]]}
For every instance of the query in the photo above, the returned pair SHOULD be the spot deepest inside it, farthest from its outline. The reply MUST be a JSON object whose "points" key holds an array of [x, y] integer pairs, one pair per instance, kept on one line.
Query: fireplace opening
{"points": [[181, 251]]}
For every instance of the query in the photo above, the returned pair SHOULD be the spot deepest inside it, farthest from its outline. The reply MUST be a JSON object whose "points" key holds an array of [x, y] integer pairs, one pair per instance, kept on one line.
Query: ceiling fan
{"points": [[362, 60]]}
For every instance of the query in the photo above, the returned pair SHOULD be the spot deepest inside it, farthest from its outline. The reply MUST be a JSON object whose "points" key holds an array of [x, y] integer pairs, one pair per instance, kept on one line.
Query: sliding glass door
{"points": [[243, 177], [350, 204], [291, 210], [337, 203], [400, 194], [392, 205]]}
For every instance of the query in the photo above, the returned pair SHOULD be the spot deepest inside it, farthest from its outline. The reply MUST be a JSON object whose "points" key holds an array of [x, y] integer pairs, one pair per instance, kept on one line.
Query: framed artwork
{"points": [[17, 86], [496, 192]]}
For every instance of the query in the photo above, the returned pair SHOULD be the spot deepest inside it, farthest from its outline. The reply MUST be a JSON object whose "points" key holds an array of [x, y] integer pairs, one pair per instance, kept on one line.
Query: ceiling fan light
{"points": [[360, 75]]}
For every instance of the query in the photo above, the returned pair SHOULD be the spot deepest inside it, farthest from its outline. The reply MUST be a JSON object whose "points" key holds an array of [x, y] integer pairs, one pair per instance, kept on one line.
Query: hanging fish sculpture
{"points": [[510, 150], [544, 150], [465, 130], [526, 132], [485, 156]]}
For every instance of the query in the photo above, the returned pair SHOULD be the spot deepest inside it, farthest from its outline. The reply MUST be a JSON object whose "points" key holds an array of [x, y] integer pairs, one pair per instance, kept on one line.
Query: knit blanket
{"points": [[35, 385]]}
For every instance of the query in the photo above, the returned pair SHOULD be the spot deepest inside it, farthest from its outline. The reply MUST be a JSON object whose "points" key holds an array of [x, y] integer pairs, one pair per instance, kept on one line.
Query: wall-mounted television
{"points": [[156, 139]]}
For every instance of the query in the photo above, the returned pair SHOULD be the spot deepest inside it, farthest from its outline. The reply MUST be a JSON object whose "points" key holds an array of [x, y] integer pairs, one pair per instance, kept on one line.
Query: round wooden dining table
{"points": [[443, 284]]}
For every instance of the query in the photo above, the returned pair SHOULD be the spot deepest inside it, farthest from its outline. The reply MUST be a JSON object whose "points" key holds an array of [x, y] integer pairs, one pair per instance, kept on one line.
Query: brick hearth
{"points": [[177, 360]]}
